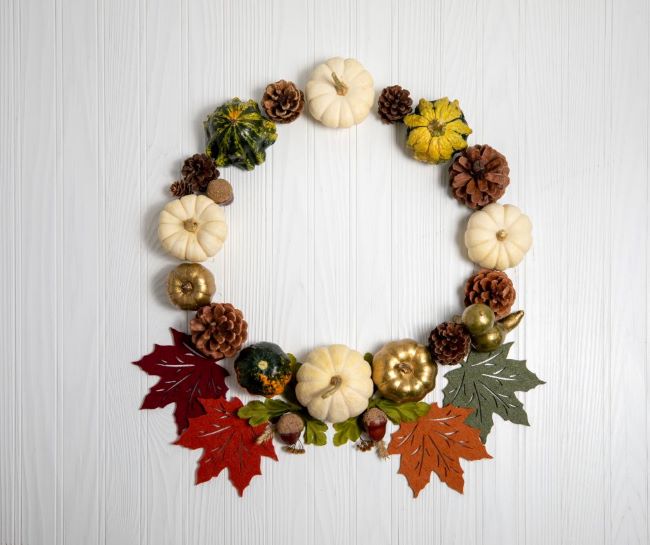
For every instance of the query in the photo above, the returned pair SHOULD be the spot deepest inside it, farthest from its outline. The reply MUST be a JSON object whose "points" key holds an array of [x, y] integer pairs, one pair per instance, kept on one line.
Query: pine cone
{"points": [[219, 330], [180, 188], [394, 104], [492, 288], [449, 343], [199, 170], [479, 176], [283, 101]]}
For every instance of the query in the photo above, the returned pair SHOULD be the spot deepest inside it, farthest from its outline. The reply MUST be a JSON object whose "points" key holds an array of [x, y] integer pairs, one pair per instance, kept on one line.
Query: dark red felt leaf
{"points": [[185, 376], [227, 442]]}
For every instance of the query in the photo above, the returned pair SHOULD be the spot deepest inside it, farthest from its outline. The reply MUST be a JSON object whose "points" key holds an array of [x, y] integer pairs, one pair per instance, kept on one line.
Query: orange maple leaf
{"points": [[436, 442]]}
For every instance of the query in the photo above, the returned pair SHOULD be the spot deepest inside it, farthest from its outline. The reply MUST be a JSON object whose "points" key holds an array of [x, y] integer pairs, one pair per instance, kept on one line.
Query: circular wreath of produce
{"points": [[358, 394]]}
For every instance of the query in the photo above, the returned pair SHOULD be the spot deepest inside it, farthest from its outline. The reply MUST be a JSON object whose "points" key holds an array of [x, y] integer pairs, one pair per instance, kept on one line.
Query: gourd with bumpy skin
{"points": [[238, 135], [498, 236], [263, 369], [334, 383], [340, 93], [192, 228]]}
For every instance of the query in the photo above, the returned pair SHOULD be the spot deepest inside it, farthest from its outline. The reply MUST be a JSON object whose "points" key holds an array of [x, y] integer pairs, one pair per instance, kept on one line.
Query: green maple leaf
{"points": [[487, 382], [348, 430], [315, 432], [258, 412], [401, 412]]}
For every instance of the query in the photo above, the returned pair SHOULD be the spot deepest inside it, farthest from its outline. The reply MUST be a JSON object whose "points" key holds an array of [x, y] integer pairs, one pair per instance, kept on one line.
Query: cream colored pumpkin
{"points": [[498, 236], [192, 228], [334, 383], [340, 93]]}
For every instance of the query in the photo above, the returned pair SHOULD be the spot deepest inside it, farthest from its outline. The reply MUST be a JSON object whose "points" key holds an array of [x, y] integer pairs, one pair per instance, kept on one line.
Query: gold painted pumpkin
{"points": [[340, 93], [192, 228], [404, 371], [334, 383], [498, 236], [190, 286]]}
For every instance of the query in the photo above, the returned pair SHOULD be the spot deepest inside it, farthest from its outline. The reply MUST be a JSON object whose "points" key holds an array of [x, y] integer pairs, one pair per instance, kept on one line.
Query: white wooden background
{"points": [[339, 236]]}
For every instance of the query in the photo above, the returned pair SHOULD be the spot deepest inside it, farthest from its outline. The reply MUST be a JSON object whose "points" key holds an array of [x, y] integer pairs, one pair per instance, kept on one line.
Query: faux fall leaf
{"points": [[487, 383], [185, 376], [258, 412], [228, 442], [348, 430], [436, 442]]}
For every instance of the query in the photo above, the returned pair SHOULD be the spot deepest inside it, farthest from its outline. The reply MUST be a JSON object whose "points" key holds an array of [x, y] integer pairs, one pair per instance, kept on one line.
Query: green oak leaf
{"points": [[487, 382], [315, 432], [348, 430], [401, 412], [258, 412]]}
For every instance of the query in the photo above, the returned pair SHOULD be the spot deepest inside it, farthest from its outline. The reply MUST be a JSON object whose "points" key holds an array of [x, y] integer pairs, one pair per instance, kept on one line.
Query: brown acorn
{"points": [[374, 422], [289, 428]]}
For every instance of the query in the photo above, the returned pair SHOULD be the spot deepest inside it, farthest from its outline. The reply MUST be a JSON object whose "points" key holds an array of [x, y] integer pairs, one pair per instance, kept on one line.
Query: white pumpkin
{"points": [[334, 383], [340, 93], [498, 236], [192, 228]]}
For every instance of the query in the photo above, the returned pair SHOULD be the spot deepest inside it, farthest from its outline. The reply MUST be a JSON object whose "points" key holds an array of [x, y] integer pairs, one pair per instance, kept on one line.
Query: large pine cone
{"points": [[449, 343], [219, 330], [492, 288], [199, 170], [283, 101], [479, 176], [394, 104]]}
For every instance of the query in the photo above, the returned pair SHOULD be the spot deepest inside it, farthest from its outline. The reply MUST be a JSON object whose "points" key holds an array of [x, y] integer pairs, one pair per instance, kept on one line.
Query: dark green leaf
{"points": [[402, 412], [315, 432], [487, 383], [368, 357], [348, 430], [258, 412]]}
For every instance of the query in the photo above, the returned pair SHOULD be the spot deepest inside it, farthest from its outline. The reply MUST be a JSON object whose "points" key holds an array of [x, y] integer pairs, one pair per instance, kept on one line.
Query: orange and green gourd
{"points": [[263, 369], [237, 134], [436, 130]]}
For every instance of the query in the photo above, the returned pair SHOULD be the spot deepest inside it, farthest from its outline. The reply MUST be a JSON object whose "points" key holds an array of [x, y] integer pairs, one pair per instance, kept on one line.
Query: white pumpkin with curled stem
{"points": [[334, 383], [340, 93], [498, 236], [192, 228]]}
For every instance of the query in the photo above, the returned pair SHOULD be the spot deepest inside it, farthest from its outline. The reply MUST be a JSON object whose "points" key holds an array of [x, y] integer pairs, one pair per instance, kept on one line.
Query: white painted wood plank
{"points": [[9, 180], [36, 208], [82, 273], [627, 379], [121, 145]]}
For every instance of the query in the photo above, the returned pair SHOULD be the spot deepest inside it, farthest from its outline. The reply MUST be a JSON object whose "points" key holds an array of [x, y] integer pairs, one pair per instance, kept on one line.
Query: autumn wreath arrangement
{"points": [[358, 394]]}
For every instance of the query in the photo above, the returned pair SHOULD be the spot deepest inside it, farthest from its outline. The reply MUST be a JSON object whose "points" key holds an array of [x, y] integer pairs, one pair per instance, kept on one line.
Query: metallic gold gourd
{"points": [[493, 338], [478, 318], [404, 371], [190, 286]]}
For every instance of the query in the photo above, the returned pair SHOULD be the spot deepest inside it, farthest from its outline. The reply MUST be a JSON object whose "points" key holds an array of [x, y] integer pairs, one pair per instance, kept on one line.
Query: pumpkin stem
{"points": [[335, 384], [341, 88], [405, 368], [502, 234], [191, 225], [187, 287]]}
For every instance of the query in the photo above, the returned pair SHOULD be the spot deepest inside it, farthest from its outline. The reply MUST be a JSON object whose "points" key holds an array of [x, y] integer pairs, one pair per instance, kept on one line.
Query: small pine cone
{"points": [[180, 188], [449, 343], [199, 170], [283, 101], [219, 330], [492, 288], [478, 176], [394, 104]]}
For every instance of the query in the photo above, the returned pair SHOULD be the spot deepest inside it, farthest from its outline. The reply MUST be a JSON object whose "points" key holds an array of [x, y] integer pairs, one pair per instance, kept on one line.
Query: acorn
{"points": [[374, 422], [289, 428]]}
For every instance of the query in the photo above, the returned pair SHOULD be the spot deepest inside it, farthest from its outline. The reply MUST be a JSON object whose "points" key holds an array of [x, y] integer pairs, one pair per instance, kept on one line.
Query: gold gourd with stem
{"points": [[190, 286]]}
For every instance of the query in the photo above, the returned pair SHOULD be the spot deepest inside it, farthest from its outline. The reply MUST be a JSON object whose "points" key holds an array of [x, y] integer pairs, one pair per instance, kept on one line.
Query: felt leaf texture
{"points": [[487, 382], [185, 376], [315, 432], [435, 443], [401, 412], [228, 442], [258, 412], [348, 430]]}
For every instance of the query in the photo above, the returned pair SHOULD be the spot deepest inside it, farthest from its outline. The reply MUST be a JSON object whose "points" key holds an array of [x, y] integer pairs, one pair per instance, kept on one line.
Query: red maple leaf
{"points": [[227, 442], [185, 376], [436, 442]]}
